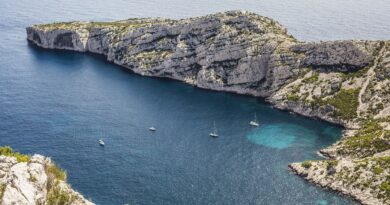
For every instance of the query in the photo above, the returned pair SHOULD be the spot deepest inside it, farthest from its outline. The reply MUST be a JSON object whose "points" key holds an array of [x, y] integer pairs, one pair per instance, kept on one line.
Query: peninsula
{"points": [[343, 82]]}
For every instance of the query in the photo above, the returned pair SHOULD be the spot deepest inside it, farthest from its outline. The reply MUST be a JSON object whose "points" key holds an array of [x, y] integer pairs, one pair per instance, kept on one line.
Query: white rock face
{"points": [[26, 182]]}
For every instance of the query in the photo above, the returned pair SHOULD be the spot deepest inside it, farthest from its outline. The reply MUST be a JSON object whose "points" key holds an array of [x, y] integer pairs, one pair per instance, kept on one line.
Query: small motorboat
{"points": [[254, 122], [101, 142]]}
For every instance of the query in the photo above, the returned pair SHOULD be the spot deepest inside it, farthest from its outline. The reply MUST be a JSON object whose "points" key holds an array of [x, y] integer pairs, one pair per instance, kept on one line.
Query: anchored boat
{"points": [[101, 142], [254, 122], [152, 128], [214, 132]]}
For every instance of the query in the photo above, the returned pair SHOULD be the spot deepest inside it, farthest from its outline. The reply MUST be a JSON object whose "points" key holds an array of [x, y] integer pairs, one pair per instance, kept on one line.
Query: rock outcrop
{"points": [[32, 180], [343, 82]]}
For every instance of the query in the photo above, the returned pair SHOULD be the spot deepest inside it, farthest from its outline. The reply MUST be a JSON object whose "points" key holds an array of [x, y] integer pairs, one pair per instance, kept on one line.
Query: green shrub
{"points": [[7, 151], [331, 163], [292, 97], [356, 74], [385, 186], [57, 196], [306, 164], [377, 170], [346, 103], [57, 172], [312, 79], [32, 179], [383, 162], [369, 127]]}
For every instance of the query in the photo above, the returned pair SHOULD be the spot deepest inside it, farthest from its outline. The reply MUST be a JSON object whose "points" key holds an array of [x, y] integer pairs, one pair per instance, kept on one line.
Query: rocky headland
{"points": [[27, 180], [343, 82]]}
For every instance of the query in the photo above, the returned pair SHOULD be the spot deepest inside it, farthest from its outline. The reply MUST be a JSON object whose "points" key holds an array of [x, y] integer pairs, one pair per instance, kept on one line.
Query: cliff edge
{"points": [[343, 82], [27, 180]]}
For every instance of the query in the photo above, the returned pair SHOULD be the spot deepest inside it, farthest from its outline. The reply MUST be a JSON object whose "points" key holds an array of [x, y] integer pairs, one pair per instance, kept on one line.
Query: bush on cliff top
{"points": [[306, 164], [57, 172], [57, 196], [7, 151]]}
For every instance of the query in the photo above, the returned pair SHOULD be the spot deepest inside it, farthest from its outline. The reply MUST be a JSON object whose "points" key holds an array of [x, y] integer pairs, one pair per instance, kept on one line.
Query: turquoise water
{"points": [[60, 103], [280, 136]]}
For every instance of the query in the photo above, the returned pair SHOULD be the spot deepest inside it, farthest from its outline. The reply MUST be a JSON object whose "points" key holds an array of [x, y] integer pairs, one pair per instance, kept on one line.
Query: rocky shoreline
{"points": [[342, 82]]}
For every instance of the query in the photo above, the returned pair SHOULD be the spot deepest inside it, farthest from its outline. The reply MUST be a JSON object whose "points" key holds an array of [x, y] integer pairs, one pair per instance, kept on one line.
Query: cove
{"points": [[65, 101]]}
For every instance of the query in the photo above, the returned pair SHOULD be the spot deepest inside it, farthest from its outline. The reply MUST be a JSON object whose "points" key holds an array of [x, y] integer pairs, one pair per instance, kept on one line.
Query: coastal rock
{"points": [[30, 182], [234, 51], [342, 56], [350, 177]]}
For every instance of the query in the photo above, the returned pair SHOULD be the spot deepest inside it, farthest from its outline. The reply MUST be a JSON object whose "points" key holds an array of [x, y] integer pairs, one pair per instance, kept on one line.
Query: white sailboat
{"points": [[214, 132], [152, 128], [254, 122]]}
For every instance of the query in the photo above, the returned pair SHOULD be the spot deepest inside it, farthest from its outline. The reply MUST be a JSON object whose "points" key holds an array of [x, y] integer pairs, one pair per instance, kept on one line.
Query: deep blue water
{"points": [[60, 103]]}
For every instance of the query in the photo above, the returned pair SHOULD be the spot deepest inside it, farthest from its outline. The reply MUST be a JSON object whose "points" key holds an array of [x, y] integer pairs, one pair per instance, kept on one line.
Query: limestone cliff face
{"points": [[33, 182], [343, 82], [234, 51]]}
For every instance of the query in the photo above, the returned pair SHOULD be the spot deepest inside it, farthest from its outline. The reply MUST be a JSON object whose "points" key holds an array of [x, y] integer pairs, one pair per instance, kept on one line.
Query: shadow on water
{"points": [[74, 58]]}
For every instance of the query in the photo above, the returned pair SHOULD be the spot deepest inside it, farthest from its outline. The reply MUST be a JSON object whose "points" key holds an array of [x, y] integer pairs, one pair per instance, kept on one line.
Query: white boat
{"points": [[101, 142], [214, 132], [152, 128], [254, 122]]}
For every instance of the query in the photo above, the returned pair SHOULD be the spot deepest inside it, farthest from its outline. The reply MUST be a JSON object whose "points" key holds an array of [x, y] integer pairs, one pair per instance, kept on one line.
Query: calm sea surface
{"points": [[60, 103]]}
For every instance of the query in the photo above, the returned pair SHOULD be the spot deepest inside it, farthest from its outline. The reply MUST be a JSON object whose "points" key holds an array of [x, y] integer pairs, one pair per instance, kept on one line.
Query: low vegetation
{"points": [[385, 189], [57, 196], [293, 97], [312, 79], [331, 163], [56, 172], [7, 151], [357, 74], [370, 139], [2, 189], [346, 103], [306, 164]]}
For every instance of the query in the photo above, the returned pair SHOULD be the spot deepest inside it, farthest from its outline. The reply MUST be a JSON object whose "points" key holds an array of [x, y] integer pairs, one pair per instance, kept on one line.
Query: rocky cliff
{"points": [[26, 180], [343, 82]]}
